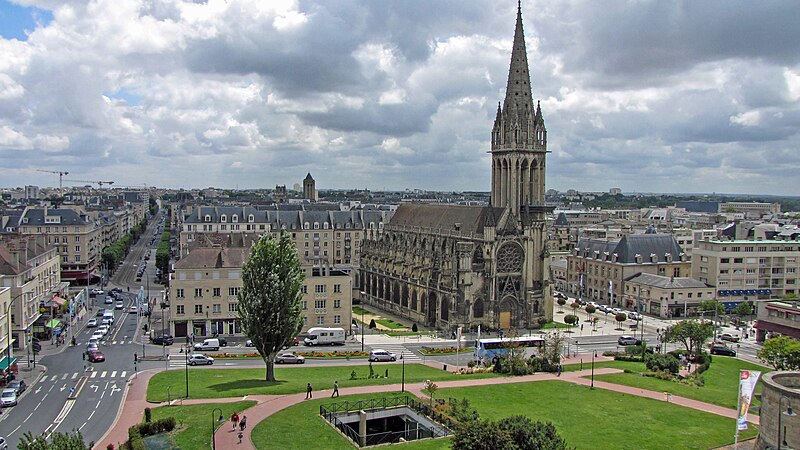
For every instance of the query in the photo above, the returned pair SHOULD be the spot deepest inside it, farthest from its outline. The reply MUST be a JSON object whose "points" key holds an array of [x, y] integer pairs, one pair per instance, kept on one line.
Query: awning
{"points": [[53, 323], [777, 328], [4, 362], [58, 301]]}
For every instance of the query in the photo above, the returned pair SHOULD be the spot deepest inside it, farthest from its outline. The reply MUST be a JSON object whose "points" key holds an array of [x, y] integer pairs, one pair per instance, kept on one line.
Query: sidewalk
{"points": [[134, 402]]}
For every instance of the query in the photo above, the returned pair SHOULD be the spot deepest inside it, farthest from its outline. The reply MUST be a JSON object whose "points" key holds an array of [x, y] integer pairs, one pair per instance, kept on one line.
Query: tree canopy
{"points": [[510, 433], [691, 333], [270, 308], [57, 441], [782, 353]]}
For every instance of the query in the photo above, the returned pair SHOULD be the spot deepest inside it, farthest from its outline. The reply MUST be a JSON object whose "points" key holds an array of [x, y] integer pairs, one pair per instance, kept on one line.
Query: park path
{"points": [[132, 408]]}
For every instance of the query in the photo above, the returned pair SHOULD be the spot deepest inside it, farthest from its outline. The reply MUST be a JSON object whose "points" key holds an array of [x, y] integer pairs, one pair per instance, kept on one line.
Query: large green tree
{"points": [[691, 333], [270, 308], [782, 353], [57, 441]]}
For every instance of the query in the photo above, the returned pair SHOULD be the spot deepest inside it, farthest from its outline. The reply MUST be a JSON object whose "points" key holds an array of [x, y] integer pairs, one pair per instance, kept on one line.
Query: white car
{"points": [[198, 359], [104, 329], [91, 323], [633, 315], [97, 335], [9, 397], [96, 291], [119, 305], [107, 321], [133, 309]]}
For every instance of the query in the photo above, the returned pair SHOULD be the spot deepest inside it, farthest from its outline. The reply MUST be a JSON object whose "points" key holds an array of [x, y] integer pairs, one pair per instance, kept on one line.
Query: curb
{"points": [[121, 407]]}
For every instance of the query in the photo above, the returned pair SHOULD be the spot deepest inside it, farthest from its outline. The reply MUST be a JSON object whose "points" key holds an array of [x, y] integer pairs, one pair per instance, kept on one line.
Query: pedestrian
{"points": [[308, 391], [335, 389], [241, 435], [84, 356], [559, 370], [243, 423], [234, 420]]}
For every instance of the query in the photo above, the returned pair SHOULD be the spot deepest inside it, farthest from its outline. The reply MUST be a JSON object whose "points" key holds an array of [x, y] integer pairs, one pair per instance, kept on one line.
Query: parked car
{"points": [[722, 350], [198, 359], [165, 339], [119, 304], [290, 358], [91, 323], [9, 397], [628, 340], [381, 355], [633, 315], [17, 385], [222, 342]]}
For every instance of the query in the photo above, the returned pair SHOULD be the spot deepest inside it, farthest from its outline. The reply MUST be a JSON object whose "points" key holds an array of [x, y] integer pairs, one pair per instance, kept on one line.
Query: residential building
{"points": [[751, 210], [597, 269], [450, 265], [203, 294], [744, 270], [665, 296]]}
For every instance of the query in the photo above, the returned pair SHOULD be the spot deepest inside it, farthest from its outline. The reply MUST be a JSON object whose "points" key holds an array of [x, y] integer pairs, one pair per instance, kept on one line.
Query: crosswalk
{"points": [[95, 374], [400, 349]]}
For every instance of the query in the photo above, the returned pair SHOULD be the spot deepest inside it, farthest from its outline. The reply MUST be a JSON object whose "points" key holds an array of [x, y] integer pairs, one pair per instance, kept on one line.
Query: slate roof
{"points": [[663, 282], [290, 217], [633, 244], [211, 258], [35, 217], [561, 220], [444, 217]]}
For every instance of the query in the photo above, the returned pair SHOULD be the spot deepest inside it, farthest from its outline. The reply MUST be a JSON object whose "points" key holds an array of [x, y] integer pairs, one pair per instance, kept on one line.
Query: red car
{"points": [[96, 356]]}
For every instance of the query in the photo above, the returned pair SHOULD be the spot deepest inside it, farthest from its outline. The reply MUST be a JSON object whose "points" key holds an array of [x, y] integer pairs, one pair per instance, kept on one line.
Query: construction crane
{"points": [[99, 183], [60, 174]]}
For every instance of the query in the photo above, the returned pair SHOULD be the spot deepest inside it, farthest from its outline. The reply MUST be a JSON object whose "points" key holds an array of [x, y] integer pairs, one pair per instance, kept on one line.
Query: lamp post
{"points": [[593, 355], [403, 385], [788, 413], [187, 367], [214, 426], [363, 294]]}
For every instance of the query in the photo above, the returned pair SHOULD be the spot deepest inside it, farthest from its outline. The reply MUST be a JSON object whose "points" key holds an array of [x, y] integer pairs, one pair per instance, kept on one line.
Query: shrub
{"points": [[372, 323], [414, 328], [147, 415], [664, 363], [571, 319]]}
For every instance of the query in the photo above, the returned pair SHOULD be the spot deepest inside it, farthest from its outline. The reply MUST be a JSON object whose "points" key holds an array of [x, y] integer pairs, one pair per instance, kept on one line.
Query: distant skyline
{"points": [[651, 96]]}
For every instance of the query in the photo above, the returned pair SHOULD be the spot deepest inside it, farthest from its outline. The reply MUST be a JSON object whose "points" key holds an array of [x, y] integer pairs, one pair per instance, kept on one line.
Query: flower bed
{"points": [[445, 350], [333, 354]]}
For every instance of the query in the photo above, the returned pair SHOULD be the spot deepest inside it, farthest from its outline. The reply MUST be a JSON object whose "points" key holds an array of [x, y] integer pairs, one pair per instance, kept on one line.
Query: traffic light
{"points": [[37, 347]]}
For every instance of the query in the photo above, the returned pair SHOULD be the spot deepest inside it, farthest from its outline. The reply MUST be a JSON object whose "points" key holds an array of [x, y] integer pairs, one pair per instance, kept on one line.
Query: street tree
{"points": [[553, 347], [270, 308], [561, 302], [590, 309], [782, 353], [743, 310], [620, 317], [56, 441], [711, 305], [691, 333]]}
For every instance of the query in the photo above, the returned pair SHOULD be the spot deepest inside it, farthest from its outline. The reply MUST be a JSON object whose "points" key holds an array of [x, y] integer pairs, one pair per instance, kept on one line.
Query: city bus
{"points": [[487, 350]]}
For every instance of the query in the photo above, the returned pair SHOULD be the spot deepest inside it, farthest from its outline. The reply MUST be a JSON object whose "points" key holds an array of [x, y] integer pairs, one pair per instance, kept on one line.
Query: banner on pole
{"points": [[747, 385]]}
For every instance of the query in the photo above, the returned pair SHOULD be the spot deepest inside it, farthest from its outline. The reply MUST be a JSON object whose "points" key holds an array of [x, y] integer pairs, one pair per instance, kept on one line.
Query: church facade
{"points": [[447, 265]]}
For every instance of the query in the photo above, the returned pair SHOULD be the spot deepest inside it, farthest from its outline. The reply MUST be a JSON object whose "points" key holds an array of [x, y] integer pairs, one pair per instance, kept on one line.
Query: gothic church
{"points": [[446, 265]]}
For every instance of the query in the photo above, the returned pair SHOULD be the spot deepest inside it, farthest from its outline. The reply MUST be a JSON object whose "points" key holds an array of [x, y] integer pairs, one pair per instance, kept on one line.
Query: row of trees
{"points": [[163, 250], [115, 253]]}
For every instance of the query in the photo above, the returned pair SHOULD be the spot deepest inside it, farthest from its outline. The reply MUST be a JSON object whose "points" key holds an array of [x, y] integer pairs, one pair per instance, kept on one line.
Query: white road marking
{"points": [[123, 374], [65, 376], [55, 377], [75, 375], [113, 374], [103, 375], [94, 374]]}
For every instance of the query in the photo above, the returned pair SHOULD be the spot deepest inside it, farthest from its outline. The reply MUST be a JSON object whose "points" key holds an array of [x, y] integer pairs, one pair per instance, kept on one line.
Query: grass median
{"points": [[222, 383], [721, 382], [194, 421]]}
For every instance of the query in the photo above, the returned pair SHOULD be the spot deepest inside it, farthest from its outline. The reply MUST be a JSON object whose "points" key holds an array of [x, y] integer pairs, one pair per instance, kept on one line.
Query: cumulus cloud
{"points": [[648, 96]]}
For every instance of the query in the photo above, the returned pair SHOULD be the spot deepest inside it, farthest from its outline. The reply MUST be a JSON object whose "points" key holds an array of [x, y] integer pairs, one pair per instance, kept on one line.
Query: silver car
{"points": [[289, 358], [9, 397], [198, 359], [382, 355]]}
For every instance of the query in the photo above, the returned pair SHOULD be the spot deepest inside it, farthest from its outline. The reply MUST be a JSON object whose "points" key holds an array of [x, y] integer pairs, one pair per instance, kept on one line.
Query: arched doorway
{"points": [[432, 300], [506, 313]]}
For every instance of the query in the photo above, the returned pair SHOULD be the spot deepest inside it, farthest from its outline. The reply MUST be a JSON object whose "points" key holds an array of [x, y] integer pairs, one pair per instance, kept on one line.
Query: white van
{"points": [[207, 344], [325, 336], [109, 314]]}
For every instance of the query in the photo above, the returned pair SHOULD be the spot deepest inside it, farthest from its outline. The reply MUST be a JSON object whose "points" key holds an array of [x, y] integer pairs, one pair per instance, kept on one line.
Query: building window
{"points": [[198, 292], [216, 308], [319, 289], [198, 309], [305, 320], [233, 307], [305, 304], [77, 248], [337, 288], [179, 293], [179, 309], [320, 320], [337, 303], [233, 291], [77, 258], [217, 292], [337, 319], [304, 289], [319, 304]]}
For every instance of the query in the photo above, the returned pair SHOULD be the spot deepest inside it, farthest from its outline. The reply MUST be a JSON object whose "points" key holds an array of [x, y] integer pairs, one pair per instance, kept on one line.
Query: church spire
{"points": [[518, 88]]}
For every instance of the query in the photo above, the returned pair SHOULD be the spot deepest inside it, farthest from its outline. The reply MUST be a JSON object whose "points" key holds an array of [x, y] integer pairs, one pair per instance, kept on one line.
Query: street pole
{"points": [[363, 294], [403, 385], [593, 355], [187, 366], [214, 427]]}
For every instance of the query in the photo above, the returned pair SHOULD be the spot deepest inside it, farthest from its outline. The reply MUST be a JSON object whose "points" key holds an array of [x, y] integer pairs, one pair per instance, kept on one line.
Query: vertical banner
{"points": [[610, 292], [747, 385]]}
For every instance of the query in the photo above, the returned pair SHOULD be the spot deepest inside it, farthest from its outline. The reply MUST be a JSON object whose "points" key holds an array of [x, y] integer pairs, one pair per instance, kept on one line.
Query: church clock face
{"points": [[510, 258]]}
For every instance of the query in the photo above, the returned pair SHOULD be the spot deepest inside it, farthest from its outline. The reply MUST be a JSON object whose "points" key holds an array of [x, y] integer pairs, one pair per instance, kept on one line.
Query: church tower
{"points": [[519, 137], [309, 188]]}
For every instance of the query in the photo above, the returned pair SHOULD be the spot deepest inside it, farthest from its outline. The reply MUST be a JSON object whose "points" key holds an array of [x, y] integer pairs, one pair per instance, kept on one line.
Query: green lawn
{"points": [[556, 325], [587, 419], [221, 383], [570, 366], [390, 324], [720, 388], [194, 421], [358, 311]]}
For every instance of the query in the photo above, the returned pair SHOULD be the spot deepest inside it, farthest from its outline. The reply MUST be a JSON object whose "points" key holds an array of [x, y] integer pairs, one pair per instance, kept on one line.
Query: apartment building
{"points": [[747, 270], [777, 318], [751, 210], [330, 237], [204, 288], [596, 269], [666, 297], [30, 269]]}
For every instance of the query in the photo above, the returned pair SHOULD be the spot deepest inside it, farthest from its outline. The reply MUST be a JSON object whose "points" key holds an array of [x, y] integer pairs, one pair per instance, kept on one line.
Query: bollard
{"points": [[444, 367]]}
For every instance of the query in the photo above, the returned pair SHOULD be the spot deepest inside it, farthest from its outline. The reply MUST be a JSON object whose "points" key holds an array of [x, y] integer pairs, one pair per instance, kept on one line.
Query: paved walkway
{"points": [[132, 409]]}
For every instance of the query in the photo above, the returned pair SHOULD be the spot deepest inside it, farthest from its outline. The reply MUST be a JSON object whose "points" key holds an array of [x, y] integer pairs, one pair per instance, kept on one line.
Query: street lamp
{"points": [[403, 388], [593, 355], [788, 413], [187, 366], [363, 294], [214, 426]]}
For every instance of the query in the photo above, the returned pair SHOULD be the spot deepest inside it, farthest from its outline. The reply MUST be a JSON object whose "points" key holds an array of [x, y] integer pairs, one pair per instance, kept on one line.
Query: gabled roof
{"points": [[663, 282], [444, 217], [634, 244], [214, 258]]}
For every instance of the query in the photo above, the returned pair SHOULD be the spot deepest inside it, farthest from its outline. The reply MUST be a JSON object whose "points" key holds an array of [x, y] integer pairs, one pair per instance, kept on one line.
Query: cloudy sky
{"points": [[655, 96]]}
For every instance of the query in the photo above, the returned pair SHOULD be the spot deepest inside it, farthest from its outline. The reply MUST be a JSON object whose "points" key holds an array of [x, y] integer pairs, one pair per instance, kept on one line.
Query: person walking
{"points": [[234, 420], [308, 391], [335, 389], [243, 423]]}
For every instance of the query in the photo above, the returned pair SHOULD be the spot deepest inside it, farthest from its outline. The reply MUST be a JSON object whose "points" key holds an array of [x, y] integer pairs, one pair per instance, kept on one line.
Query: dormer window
{"points": [[306, 226], [223, 218], [234, 218], [316, 225], [251, 218], [325, 225], [207, 218]]}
